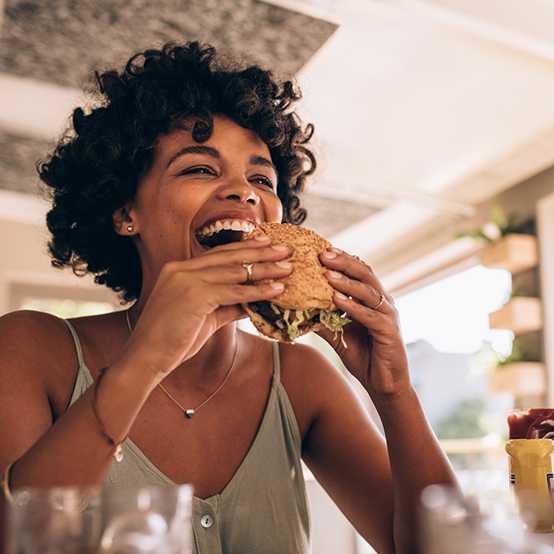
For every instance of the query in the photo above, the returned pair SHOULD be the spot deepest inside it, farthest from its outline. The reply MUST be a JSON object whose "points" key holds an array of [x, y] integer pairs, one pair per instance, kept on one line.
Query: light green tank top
{"points": [[263, 509]]}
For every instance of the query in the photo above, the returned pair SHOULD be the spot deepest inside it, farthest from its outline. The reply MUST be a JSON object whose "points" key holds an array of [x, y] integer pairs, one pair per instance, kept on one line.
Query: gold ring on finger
{"points": [[381, 300], [248, 266]]}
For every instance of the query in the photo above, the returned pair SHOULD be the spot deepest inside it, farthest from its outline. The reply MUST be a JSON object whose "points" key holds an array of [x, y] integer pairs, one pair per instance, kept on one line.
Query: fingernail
{"points": [[329, 255], [279, 247], [336, 250], [284, 265], [263, 238], [335, 274], [277, 286], [340, 296]]}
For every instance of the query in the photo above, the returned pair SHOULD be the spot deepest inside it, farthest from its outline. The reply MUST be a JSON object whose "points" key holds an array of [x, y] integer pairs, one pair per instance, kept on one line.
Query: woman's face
{"points": [[195, 195]]}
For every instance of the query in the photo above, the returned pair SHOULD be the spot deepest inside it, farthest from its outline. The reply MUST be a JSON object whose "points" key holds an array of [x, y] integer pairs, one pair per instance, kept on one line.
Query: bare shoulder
{"points": [[30, 328], [36, 348], [26, 330]]}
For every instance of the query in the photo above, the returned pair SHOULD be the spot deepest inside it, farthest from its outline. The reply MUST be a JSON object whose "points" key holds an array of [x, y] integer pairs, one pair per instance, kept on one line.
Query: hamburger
{"points": [[306, 304]]}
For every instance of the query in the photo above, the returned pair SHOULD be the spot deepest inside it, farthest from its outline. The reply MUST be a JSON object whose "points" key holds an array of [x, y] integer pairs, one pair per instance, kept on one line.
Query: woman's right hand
{"points": [[192, 299]]}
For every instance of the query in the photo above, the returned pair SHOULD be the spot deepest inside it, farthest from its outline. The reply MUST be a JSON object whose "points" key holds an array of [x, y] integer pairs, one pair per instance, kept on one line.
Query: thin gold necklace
{"points": [[190, 412]]}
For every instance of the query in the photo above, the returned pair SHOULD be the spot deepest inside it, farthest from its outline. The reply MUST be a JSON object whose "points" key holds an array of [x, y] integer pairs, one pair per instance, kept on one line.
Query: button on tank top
{"points": [[263, 509]]}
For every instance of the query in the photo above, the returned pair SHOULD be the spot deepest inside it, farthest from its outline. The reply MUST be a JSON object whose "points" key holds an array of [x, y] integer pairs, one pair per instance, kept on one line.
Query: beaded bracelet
{"points": [[118, 454], [5, 483]]}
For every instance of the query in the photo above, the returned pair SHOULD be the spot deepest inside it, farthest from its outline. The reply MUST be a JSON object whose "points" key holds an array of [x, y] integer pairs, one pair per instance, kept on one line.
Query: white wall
{"points": [[545, 235], [331, 531], [24, 263]]}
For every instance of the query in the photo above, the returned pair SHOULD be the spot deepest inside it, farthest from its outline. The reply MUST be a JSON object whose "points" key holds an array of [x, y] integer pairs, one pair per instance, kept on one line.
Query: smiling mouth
{"points": [[224, 231]]}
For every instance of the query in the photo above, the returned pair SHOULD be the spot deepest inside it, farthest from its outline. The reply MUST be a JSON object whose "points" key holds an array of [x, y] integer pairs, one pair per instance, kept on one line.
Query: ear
{"points": [[123, 223]]}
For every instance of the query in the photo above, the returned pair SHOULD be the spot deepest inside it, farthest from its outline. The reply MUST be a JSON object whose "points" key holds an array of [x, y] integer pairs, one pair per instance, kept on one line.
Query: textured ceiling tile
{"points": [[62, 40], [329, 217], [18, 158]]}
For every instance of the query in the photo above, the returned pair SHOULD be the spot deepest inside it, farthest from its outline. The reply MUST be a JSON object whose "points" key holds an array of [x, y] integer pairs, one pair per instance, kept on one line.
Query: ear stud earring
{"points": [[129, 228]]}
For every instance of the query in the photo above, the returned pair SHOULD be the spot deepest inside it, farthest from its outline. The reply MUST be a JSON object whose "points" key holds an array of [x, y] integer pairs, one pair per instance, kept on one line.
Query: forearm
{"points": [[75, 450], [417, 461]]}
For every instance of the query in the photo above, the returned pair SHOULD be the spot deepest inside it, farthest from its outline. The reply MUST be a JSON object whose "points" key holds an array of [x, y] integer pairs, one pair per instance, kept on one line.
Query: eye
{"points": [[200, 169], [261, 180]]}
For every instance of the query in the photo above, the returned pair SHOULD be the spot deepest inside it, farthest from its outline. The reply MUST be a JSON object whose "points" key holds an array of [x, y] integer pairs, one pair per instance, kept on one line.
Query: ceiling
{"points": [[424, 109]]}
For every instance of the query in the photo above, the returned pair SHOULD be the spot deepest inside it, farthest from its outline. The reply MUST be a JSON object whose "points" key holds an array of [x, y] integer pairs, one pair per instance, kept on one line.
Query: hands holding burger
{"points": [[376, 355], [338, 296]]}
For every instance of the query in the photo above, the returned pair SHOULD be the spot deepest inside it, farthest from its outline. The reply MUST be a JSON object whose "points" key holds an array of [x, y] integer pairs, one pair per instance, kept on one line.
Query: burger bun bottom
{"points": [[266, 328]]}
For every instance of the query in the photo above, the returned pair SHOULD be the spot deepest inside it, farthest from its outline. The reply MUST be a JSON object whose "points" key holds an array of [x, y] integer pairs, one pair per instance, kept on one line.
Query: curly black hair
{"points": [[95, 169]]}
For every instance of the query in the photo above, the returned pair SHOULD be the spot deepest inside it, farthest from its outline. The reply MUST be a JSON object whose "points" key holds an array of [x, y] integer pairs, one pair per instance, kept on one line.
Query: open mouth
{"points": [[224, 232]]}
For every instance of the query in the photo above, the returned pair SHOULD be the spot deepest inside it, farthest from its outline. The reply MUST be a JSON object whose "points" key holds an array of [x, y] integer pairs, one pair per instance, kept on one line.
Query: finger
{"points": [[244, 272], [359, 292], [351, 265], [373, 320], [256, 242], [248, 272], [226, 295], [228, 314], [246, 251]]}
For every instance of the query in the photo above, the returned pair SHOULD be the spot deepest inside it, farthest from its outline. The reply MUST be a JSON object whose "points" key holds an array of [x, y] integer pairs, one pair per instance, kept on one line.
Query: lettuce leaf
{"points": [[335, 321]]}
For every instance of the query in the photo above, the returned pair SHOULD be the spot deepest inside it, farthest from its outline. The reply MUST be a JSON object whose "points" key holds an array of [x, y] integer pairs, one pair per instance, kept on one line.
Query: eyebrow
{"points": [[260, 160], [209, 151], [205, 150]]}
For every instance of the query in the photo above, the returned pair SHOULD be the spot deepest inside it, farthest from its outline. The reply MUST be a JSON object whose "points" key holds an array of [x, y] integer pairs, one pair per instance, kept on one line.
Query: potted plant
{"points": [[521, 314], [520, 373], [503, 248]]}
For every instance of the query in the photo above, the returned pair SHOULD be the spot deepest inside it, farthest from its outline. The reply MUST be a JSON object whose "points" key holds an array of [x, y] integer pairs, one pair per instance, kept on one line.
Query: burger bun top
{"points": [[306, 287]]}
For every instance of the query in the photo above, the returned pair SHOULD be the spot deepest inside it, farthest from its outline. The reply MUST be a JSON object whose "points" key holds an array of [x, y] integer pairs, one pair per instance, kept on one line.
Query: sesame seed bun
{"points": [[306, 288]]}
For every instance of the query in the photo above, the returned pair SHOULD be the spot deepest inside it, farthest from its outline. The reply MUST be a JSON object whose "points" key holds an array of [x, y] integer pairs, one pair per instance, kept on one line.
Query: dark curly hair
{"points": [[96, 167]]}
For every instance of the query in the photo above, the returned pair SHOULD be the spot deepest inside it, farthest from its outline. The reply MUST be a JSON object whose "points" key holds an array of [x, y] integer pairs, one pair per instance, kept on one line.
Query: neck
{"points": [[211, 364], [211, 361]]}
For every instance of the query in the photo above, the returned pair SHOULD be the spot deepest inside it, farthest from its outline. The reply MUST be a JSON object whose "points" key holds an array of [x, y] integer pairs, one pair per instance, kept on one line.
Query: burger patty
{"points": [[267, 312]]}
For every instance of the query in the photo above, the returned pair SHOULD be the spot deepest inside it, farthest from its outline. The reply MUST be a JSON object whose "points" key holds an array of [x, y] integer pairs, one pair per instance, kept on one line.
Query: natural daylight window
{"points": [[65, 308], [452, 350], [62, 301]]}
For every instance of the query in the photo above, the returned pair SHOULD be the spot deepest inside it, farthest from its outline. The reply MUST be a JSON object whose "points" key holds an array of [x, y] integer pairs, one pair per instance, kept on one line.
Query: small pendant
{"points": [[189, 413], [118, 454]]}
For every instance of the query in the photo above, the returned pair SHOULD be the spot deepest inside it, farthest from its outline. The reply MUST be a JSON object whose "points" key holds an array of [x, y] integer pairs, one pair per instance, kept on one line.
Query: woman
{"points": [[179, 144]]}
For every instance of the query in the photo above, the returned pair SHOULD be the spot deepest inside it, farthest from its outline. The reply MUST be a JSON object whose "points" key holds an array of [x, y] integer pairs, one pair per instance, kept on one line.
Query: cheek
{"points": [[273, 209]]}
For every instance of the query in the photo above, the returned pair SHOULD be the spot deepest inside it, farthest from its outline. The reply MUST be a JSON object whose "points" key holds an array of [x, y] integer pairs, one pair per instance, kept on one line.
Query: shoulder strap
{"points": [[77, 342], [276, 362]]}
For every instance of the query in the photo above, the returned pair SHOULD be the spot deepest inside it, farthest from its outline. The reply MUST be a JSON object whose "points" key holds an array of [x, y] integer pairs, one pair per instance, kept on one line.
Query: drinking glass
{"points": [[96, 520]]}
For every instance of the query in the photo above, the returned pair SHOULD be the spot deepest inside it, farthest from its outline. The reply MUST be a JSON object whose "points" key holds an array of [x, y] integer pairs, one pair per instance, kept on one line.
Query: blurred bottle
{"points": [[531, 476], [532, 423]]}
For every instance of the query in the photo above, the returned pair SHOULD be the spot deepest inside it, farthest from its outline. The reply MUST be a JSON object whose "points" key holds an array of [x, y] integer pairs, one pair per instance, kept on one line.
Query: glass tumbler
{"points": [[108, 520]]}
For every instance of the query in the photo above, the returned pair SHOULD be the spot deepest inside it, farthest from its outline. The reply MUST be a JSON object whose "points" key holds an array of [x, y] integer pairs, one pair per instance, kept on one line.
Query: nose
{"points": [[241, 191]]}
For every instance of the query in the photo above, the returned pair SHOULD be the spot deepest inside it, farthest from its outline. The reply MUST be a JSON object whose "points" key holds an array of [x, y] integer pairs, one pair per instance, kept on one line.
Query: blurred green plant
{"points": [[523, 350], [500, 226], [466, 422]]}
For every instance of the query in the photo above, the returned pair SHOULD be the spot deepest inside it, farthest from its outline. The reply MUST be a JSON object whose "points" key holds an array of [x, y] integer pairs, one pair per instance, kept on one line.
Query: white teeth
{"points": [[244, 226]]}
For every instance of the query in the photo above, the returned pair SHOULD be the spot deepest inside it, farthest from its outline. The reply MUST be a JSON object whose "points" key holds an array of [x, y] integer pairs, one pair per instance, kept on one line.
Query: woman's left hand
{"points": [[375, 352]]}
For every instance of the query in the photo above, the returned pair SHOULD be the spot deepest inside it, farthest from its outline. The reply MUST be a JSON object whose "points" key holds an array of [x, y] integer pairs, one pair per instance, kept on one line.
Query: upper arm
{"points": [[341, 445], [33, 377]]}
